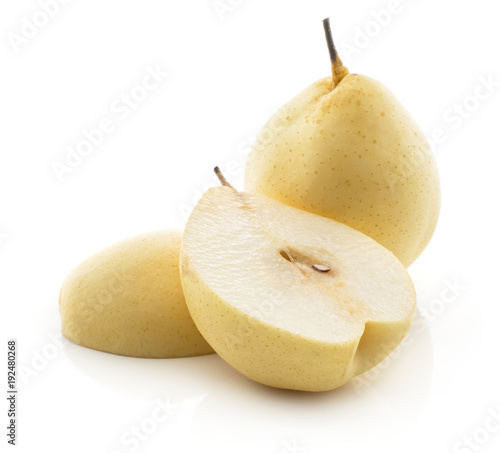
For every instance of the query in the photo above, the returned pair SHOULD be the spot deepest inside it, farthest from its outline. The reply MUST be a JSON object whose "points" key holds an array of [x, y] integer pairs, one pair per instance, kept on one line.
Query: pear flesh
{"points": [[128, 300], [351, 152], [289, 298]]}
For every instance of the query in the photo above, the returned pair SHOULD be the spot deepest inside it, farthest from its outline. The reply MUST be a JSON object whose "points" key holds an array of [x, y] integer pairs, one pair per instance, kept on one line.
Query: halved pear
{"points": [[289, 298], [127, 299]]}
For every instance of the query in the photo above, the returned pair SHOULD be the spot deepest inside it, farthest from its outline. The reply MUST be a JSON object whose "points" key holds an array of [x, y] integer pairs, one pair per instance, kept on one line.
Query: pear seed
{"points": [[320, 267]]}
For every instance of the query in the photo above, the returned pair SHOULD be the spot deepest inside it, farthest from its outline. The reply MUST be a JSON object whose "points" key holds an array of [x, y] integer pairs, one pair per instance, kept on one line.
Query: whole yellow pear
{"points": [[345, 148]]}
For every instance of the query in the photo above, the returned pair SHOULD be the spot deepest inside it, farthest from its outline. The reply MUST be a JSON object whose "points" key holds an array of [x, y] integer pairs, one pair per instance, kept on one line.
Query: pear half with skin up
{"points": [[289, 298], [345, 148], [127, 299]]}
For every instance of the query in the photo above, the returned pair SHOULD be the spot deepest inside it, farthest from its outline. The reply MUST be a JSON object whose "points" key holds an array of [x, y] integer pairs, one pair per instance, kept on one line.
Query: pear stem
{"points": [[339, 71], [222, 178], [329, 40]]}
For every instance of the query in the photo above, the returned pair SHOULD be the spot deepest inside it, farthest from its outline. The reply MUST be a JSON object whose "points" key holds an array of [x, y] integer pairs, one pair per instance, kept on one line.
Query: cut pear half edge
{"points": [[289, 298]]}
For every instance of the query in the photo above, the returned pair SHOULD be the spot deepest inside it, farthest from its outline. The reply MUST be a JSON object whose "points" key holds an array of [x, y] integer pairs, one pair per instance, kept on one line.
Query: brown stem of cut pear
{"points": [[222, 178], [339, 71]]}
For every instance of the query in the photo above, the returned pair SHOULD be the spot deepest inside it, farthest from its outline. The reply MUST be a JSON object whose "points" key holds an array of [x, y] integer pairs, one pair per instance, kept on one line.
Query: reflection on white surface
{"points": [[387, 398]]}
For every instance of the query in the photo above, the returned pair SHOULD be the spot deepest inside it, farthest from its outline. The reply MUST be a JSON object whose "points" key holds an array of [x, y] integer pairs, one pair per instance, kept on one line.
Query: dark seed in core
{"points": [[320, 267]]}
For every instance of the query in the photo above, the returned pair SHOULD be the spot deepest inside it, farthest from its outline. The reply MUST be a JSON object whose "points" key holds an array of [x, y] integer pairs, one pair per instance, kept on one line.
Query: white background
{"points": [[229, 70]]}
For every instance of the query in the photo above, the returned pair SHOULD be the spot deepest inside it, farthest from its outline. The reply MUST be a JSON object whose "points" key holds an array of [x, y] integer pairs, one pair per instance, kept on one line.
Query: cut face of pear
{"points": [[289, 298]]}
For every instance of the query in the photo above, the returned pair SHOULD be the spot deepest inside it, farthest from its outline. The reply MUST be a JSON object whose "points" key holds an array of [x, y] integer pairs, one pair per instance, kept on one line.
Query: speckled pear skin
{"points": [[354, 154], [281, 323], [128, 300]]}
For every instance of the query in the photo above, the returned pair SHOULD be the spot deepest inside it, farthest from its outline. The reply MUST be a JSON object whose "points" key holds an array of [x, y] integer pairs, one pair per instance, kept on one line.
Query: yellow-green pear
{"points": [[128, 300], [289, 298], [345, 148]]}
